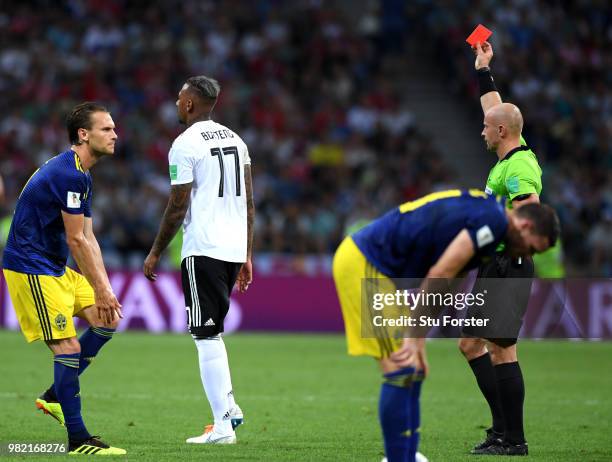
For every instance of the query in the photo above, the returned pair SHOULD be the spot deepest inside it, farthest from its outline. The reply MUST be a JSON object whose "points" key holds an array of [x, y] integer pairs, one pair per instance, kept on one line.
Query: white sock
{"points": [[230, 397], [215, 374]]}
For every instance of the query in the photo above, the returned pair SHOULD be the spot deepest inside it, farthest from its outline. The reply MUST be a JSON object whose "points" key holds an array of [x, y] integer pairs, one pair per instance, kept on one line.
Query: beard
{"points": [[490, 147], [514, 242]]}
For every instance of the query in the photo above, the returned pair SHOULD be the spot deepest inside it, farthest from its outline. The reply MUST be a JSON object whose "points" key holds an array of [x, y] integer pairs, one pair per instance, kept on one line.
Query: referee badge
{"points": [[512, 184], [60, 322]]}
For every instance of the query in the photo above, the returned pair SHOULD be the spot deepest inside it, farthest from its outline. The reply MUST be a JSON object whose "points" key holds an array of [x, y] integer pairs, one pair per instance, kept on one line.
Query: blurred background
{"points": [[348, 109]]}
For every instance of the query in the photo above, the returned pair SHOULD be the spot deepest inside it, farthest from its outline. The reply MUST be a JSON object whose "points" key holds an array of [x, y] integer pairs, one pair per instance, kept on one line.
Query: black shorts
{"points": [[207, 285], [506, 281]]}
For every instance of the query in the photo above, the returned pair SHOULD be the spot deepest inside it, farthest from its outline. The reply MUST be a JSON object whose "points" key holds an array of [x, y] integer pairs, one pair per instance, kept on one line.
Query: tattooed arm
{"points": [[248, 185], [245, 277], [178, 203]]}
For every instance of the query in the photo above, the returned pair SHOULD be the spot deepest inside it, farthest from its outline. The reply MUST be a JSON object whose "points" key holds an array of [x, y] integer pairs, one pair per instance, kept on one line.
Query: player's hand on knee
{"points": [[412, 354], [406, 355], [108, 306]]}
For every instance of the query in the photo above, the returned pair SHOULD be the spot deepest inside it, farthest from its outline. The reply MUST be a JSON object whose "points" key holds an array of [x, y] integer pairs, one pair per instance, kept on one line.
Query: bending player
{"points": [[52, 218], [437, 236]]}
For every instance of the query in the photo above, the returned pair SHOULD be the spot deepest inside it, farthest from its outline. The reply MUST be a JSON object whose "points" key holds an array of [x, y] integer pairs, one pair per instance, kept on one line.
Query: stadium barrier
{"points": [[571, 308]]}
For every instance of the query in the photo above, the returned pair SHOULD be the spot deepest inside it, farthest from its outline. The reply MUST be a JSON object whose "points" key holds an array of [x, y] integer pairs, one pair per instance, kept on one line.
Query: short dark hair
{"points": [[80, 117], [544, 218], [206, 87]]}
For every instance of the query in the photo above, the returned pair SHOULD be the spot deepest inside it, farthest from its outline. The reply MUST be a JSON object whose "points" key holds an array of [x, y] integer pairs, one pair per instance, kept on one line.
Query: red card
{"points": [[480, 34]]}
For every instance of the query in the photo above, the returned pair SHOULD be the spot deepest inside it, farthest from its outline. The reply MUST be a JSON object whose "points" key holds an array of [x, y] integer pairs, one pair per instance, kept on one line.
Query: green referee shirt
{"points": [[518, 173]]}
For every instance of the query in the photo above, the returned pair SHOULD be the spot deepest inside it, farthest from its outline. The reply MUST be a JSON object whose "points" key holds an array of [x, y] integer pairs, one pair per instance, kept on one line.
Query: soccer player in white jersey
{"points": [[212, 196]]}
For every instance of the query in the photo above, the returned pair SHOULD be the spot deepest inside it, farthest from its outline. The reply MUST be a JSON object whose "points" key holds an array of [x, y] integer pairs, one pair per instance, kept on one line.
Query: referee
{"points": [[492, 354]]}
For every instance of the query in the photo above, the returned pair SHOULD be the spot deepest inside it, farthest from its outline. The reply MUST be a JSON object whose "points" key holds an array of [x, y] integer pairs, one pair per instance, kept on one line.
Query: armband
{"points": [[485, 81]]}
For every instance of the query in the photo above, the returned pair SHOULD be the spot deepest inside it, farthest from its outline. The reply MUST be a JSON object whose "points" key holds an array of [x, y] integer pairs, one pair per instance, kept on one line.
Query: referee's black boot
{"points": [[504, 449], [493, 439], [516, 449]]}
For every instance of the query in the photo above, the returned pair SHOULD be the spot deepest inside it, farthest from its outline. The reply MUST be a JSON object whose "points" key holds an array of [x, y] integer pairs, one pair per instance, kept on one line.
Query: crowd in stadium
{"points": [[317, 97]]}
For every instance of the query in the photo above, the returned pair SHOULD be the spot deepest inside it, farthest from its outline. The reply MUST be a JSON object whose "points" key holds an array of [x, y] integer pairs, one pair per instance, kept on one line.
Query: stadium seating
{"points": [[314, 94]]}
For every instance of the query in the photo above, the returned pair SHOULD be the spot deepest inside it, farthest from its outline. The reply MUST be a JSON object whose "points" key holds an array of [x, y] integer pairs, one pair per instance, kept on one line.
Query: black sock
{"points": [[512, 395], [487, 382]]}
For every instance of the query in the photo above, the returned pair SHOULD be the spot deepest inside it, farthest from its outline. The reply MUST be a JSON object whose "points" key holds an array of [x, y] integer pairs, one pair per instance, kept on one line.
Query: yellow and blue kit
{"points": [[405, 243], [45, 293]]}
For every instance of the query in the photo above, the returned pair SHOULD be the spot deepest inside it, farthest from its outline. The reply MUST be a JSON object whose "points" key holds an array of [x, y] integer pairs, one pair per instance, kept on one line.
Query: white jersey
{"points": [[212, 157]]}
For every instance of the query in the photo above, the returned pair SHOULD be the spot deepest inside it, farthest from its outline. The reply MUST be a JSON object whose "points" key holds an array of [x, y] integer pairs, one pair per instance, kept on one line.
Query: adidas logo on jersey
{"points": [[209, 323]]}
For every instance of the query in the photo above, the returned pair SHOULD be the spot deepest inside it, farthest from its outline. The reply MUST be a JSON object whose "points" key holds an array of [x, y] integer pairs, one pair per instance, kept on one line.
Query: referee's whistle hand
{"points": [[149, 267]]}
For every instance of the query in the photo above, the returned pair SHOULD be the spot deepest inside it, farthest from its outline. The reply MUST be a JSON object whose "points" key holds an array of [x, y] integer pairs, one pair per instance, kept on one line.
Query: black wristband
{"points": [[485, 81]]}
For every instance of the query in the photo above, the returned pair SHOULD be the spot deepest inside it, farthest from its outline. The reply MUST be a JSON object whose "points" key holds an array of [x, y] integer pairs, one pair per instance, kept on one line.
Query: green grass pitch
{"points": [[304, 399]]}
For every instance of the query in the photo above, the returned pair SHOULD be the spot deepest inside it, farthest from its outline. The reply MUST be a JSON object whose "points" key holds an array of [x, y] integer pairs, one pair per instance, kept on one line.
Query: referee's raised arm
{"points": [[516, 176], [489, 96]]}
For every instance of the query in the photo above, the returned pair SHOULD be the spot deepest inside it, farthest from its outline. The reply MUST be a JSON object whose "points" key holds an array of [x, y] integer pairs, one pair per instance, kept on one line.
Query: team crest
{"points": [[60, 321]]}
